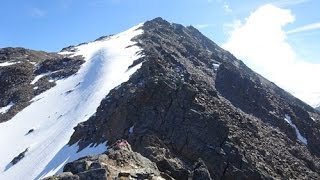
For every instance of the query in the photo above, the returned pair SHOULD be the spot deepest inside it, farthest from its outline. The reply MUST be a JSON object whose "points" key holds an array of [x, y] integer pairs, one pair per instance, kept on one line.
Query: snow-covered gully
{"points": [[299, 136], [43, 129]]}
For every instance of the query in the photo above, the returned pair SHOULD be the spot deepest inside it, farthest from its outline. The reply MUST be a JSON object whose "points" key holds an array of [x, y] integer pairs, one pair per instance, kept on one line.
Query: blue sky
{"points": [[51, 25], [291, 31]]}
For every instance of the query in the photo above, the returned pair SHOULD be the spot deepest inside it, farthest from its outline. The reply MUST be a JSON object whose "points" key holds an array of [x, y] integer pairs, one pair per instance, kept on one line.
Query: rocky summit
{"points": [[190, 111]]}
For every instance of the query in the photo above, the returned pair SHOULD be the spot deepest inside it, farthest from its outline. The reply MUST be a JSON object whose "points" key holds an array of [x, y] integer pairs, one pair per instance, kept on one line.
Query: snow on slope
{"points": [[4, 64], [37, 78], [299, 136], [53, 114], [6, 108]]}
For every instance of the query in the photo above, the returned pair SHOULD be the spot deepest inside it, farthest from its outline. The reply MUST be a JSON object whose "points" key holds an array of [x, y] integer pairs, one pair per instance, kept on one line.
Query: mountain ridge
{"points": [[194, 111], [173, 66]]}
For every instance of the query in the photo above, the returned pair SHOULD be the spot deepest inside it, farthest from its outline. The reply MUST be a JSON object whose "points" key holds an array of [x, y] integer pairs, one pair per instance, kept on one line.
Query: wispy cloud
{"points": [[286, 3], [227, 8], [37, 12], [224, 4], [102, 3], [308, 27], [65, 4], [261, 42], [202, 26], [228, 28]]}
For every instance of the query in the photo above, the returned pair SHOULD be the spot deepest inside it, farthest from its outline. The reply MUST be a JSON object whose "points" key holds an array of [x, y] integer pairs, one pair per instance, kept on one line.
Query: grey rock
{"points": [[118, 162], [63, 176], [94, 174], [184, 107]]}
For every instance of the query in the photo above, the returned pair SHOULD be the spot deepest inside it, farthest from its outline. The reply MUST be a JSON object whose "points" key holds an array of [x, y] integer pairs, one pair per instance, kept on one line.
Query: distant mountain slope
{"points": [[188, 109], [26, 73]]}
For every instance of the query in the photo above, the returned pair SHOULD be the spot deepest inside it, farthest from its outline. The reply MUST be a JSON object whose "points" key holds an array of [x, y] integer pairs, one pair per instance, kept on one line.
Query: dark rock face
{"points": [[191, 99], [19, 157], [63, 67], [15, 79], [256, 96], [200, 171]]}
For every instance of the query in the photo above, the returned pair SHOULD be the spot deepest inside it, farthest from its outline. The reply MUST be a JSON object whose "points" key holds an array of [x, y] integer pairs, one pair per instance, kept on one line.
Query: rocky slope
{"points": [[193, 100], [77, 82], [194, 111], [26, 73]]}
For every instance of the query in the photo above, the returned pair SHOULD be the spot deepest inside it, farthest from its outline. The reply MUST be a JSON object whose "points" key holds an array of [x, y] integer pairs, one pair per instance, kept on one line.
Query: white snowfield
{"points": [[45, 126]]}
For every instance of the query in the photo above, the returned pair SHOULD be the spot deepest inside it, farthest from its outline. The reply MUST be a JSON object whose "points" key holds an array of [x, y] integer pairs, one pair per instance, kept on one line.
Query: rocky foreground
{"points": [[119, 162]]}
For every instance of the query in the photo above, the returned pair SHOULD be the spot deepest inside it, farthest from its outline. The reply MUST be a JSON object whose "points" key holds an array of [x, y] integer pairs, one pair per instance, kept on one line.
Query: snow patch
{"points": [[215, 66], [7, 64], [5, 109], [299, 136], [55, 112], [131, 129], [36, 79], [33, 63], [69, 154], [66, 53]]}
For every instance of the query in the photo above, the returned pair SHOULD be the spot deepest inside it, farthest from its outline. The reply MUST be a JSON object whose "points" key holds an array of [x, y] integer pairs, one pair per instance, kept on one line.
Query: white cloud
{"points": [[261, 43], [308, 27]]}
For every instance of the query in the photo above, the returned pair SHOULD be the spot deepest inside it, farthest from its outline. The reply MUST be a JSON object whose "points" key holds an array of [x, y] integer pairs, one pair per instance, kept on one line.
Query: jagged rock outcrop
{"points": [[16, 78], [191, 99], [118, 162]]}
